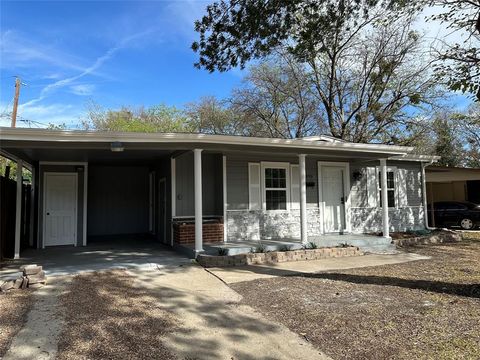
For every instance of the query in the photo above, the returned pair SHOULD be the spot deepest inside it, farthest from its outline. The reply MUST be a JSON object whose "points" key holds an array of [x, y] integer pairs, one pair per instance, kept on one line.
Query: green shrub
{"points": [[222, 251]]}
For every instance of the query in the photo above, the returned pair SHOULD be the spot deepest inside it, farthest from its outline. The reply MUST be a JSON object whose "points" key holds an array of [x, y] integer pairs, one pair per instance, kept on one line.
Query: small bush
{"points": [[343, 245], [285, 248], [260, 248], [222, 251], [312, 245]]}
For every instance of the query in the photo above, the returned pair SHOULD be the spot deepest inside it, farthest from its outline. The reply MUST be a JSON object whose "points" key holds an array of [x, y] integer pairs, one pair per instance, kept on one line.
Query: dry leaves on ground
{"points": [[108, 318], [14, 308], [427, 309]]}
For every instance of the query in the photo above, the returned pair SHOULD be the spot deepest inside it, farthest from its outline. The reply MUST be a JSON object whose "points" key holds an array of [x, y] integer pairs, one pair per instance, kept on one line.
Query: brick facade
{"points": [[184, 233]]}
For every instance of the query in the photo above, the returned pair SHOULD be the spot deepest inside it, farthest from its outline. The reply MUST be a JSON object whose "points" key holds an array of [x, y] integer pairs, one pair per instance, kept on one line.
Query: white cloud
{"points": [[82, 89], [19, 51], [89, 70]]}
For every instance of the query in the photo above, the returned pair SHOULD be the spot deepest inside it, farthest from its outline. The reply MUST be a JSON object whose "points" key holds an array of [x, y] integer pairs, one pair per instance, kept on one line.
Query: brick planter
{"points": [[276, 257], [433, 238], [184, 233]]}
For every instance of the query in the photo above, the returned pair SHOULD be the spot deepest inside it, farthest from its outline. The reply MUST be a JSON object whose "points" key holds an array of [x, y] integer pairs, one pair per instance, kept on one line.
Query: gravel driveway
{"points": [[14, 307], [106, 317]]}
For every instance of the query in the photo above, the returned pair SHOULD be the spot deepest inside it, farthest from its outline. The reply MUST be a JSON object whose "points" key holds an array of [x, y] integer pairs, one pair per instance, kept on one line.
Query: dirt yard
{"points": [[107, 318], [427, 309], [14, 307]]}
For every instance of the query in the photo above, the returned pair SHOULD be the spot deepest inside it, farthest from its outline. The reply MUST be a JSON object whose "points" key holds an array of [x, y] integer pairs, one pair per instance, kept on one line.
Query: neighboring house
{"points": [[453, 184], [92, 185]]}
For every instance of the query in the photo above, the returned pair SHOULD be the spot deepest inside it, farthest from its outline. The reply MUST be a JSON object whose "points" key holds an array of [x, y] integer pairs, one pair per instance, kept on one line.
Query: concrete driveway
{"points": [[111, 254]]}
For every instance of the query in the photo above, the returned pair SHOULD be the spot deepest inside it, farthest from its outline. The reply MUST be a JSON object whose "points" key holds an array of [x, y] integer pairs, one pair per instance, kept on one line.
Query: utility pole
{"points": [[18, 83]]}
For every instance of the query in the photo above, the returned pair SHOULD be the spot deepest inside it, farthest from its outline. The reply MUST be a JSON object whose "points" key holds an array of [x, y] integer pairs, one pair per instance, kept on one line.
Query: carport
{"points": [[93, 187]]}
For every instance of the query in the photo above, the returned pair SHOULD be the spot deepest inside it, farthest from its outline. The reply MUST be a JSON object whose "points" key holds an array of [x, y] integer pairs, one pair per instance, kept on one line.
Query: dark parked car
{"points": [[455, 213]]}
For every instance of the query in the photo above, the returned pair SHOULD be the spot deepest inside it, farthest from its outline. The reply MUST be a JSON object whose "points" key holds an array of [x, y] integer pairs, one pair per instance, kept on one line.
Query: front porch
{"points": [[368, 243]]}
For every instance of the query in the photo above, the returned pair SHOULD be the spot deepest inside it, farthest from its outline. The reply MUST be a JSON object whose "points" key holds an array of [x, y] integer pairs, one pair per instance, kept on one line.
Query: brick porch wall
{"points": [[184, 233]]}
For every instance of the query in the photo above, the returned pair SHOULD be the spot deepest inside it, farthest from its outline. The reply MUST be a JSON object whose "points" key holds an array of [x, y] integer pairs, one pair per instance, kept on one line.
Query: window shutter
{"points": [[254, 192], [372, 187], [401, 187], [295, 187]]}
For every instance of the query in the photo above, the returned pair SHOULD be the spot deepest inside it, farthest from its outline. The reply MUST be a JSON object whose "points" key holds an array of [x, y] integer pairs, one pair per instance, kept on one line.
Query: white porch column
{"points": [[303, 199], [198, 200], [18, 210], [385, 220]]}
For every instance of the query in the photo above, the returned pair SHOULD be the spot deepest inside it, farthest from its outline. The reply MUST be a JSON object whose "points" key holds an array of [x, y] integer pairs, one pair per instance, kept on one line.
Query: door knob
{"points": [[48, 213]]}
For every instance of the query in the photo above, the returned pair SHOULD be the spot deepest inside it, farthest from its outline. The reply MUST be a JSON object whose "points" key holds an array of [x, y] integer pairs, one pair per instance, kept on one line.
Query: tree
{"points": [[277, 96], [469, 131], [234, 32], [213, 116], [447, 144], [371, 86], [459, 63], [160, 118]]}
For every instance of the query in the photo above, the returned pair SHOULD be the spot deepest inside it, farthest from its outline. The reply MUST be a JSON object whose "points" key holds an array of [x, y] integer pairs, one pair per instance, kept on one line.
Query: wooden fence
{"points": [[8, 195]]}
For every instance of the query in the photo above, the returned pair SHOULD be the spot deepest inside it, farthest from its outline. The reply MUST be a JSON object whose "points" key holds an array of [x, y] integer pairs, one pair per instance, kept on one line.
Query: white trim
{"points": [[197, 175], [275, 165], [85, 204], [346, 193], [45, 174], [169, 138], [225, 201], [18, 210], [303, 199]]}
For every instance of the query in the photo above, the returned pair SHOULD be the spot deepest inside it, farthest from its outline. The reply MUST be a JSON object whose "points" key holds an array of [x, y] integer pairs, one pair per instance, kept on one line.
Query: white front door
{"points": [[60, 211], [333, 198]]}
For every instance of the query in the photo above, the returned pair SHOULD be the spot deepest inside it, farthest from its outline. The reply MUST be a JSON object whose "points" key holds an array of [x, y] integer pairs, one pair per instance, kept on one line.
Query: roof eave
{"points": [[128, 137]]}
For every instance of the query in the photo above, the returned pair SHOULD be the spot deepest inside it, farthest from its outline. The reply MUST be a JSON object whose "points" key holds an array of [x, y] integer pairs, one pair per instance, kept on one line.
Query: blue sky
{"points": [[115, 53]]}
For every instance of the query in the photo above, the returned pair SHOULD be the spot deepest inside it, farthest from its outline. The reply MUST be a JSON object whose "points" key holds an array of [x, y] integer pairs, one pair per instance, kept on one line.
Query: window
{"points": [[275, 188], [390, 187], [270, 186]]}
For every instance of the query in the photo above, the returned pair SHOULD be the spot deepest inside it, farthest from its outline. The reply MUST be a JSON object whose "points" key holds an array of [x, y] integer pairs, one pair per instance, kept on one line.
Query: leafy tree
{"points": [[234, 32], [459, 63], [469, 131], [160, 118], [210, 115], [447, 144], [357, 66]]}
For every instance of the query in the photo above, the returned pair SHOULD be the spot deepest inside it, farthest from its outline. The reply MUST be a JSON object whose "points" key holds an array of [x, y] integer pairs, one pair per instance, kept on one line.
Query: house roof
{"points": [[26, 138]]}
